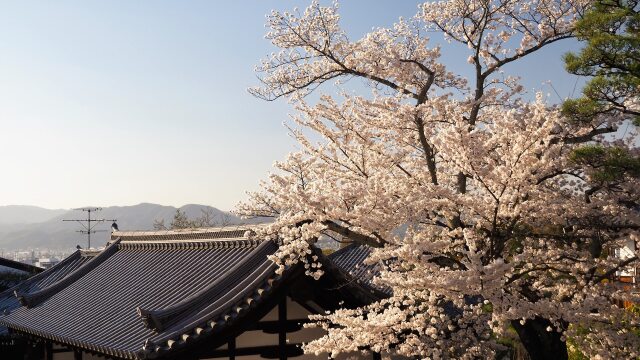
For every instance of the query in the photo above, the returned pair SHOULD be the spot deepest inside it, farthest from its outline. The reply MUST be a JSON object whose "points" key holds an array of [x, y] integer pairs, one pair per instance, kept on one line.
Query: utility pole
{"points": [[89, 224]]}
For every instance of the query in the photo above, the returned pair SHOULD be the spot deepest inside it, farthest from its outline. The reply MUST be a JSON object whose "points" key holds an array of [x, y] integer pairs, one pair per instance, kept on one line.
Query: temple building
{"points": [[191, 294]]}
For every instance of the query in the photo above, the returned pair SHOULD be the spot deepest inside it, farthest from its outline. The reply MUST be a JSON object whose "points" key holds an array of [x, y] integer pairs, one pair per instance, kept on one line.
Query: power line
{"points": [[87, 223]]}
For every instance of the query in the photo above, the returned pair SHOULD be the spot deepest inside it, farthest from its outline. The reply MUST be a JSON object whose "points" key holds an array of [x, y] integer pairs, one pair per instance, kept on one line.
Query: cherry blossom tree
{"points": [[482, 220]]}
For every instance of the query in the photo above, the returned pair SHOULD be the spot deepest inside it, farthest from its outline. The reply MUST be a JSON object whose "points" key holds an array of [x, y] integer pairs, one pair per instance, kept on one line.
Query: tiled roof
{"points": [[149, 294], [144, 298], [8, 301], [350, 260]]}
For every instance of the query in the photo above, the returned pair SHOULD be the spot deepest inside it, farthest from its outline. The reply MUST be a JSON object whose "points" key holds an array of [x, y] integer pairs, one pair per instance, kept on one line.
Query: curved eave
{"points": [[16, 265], [35, 298], [67, 341], [30, 281], [205, 327]]}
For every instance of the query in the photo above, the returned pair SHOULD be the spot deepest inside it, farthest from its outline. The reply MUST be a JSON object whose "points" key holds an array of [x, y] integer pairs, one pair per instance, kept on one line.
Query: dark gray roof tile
{"points": [[351, 260]]}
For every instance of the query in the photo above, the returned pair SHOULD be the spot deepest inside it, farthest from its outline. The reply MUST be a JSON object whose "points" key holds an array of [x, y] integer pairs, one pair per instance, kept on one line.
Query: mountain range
{"points": [[31, 227]]}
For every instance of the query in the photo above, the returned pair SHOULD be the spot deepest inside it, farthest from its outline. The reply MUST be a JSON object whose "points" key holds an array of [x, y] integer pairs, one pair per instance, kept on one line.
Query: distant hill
{"points": [[25, 214], [53, 233]]}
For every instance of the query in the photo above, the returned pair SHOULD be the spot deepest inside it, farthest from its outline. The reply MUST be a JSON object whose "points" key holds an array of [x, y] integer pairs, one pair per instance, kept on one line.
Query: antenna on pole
{"points": [[89, 224]]}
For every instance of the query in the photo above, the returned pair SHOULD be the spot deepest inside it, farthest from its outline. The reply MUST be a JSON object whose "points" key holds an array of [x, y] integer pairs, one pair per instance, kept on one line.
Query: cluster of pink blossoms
{"points": [[482, 223]]}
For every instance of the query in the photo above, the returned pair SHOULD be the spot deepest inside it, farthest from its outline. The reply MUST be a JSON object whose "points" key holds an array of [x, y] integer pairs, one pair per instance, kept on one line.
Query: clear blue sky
{"points": [[121, 102]]}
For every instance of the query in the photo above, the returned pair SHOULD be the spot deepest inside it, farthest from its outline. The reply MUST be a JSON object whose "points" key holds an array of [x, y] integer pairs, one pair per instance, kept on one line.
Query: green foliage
{"points": [[573, 348], [180, 220], [581, 110], [611, 32], [609, 164], [574, 352], [487, 308]]}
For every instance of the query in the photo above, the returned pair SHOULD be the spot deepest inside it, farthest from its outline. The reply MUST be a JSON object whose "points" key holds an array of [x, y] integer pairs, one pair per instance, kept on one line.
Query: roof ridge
{"points": [[42, 274], [200, 244], [32, 299], [188, 233], [17, 265], [158, 319], [185, 236]]}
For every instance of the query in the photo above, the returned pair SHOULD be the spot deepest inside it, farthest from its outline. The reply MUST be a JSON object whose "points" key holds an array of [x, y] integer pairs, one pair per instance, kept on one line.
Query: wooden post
{"points": [[282, 331], [48, 351], [77, 355], [232, 349]]}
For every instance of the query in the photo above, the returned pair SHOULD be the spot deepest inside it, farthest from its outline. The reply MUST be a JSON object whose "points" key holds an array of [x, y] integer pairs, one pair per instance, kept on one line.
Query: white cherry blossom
{"points": [[483, 224]]}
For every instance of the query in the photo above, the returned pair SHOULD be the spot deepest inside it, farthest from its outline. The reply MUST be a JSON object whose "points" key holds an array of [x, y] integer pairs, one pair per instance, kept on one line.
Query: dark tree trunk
{"points": [[540, 343]]}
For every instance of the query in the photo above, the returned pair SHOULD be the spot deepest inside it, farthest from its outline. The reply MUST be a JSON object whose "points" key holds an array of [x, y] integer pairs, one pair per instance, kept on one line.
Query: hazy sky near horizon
{"points": [[121, 102]]}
